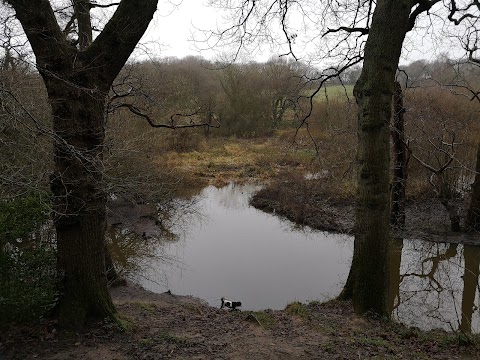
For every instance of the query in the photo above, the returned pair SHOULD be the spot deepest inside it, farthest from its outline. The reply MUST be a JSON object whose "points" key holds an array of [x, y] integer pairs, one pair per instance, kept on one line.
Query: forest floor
{"points": [[161, 326], [165, 326]]}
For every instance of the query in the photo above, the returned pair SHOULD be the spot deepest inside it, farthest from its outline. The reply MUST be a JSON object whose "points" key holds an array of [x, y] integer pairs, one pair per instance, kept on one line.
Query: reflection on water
{"points": [[437, 285], [132, 252], [236, 251], [471, 255], [225, 247]]}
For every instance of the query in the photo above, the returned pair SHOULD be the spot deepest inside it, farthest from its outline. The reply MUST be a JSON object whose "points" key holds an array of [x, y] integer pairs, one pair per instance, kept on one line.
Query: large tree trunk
{"points": [[473, 215], [373, 92], [77, 81], [79, 198]]}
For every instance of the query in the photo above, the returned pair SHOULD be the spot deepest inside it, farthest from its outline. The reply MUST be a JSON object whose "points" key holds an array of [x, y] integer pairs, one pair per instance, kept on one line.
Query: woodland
{"points": [[85, 128]]}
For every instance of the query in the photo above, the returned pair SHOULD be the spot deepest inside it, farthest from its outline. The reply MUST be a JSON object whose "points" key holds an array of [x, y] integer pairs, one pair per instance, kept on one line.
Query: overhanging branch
{"points": [[138, 112], [362, 31]]}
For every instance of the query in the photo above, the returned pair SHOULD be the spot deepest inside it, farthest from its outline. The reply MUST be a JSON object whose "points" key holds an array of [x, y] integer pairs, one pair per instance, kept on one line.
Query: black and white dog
{"points": [[230, 304]]}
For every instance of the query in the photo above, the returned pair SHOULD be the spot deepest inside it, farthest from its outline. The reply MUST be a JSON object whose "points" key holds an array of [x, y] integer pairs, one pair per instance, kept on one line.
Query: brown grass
{"points": [[188, 157]]}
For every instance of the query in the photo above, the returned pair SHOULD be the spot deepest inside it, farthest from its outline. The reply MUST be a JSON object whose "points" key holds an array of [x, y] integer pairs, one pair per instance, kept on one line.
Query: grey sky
{"points": [[171, 31]]}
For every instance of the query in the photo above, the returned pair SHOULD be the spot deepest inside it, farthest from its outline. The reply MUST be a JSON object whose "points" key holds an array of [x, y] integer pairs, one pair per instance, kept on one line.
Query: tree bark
{"points": [[82, 14], [452, 214], [80, 201], [473, 214], [373, 92], [77, 82], [400, 154]]}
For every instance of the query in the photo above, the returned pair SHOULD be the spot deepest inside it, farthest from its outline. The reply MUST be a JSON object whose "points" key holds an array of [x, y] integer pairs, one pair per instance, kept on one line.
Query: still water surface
{"points": [[234, 250], [227, 248]]}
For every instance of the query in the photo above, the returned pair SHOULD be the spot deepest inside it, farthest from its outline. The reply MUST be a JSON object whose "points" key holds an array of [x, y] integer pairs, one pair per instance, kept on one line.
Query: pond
{"points": [[223, 247]]}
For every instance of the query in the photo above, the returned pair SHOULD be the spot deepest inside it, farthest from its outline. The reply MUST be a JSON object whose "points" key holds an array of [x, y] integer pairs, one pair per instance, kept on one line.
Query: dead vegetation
{"points": [[160, 326]]}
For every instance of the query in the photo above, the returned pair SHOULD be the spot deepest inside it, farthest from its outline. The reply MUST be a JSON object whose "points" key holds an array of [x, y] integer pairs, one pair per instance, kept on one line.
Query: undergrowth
{"points": [[27, 266]]}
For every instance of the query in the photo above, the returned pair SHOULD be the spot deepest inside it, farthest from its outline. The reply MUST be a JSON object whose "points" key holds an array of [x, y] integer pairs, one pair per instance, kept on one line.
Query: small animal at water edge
{"points": [[232, 305]]}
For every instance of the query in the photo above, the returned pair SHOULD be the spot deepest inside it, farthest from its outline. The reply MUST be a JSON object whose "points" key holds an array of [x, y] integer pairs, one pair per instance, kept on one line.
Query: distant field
{"points": [[335, 92]]}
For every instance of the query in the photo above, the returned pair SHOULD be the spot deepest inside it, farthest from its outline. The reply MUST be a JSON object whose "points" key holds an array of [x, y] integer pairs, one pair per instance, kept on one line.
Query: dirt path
{"points": [[161, 326]]}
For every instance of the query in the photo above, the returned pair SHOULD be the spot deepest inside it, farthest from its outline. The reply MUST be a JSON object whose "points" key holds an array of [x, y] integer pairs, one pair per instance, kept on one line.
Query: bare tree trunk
{"points": [[441, 187], [473, 215], [82, 14], [452, 214], [373, 92], [77, 82], [444, 194], [80, 201], [400, 153]]}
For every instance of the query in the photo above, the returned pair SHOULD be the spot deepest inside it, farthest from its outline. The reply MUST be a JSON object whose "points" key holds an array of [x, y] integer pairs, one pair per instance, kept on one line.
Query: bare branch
{"points": [[82, 14], [454, 10], [362, 31], [423, 6], [135, 110], [290, 37], [95, 5]]}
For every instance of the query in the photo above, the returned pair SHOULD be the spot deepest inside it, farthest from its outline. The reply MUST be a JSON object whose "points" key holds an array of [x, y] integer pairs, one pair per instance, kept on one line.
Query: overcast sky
{"points": [[173, 25], [178, 21], [170, 34]]}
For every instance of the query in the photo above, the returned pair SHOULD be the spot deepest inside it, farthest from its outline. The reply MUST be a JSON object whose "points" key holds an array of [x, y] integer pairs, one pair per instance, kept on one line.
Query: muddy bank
{"points": [[426, 218], [318, 211], [161, 326]]}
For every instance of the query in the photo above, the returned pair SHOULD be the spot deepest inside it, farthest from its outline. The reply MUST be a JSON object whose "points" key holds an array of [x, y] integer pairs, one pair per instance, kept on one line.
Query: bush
{"points": [[27, 268], [27, 284], [21, 216]]}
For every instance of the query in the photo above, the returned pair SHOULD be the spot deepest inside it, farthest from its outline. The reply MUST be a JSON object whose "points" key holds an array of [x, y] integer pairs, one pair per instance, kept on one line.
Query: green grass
{"points": [[125, 323], [263, 318], [146, 306], [335, 92], [298, 309]]}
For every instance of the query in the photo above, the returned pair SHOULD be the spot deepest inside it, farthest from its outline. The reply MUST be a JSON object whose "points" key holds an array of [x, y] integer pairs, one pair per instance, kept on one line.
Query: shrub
{"points": [[22, 215], [27, 268], [27, 284]]}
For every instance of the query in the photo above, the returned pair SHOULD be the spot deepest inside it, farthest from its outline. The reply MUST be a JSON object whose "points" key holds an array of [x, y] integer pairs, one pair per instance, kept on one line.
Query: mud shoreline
{"points": [[426, 219]]}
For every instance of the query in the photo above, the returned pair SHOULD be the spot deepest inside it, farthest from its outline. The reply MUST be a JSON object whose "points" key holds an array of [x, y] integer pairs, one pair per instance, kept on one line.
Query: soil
{"points": [[426, 218], [166, 326]]}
